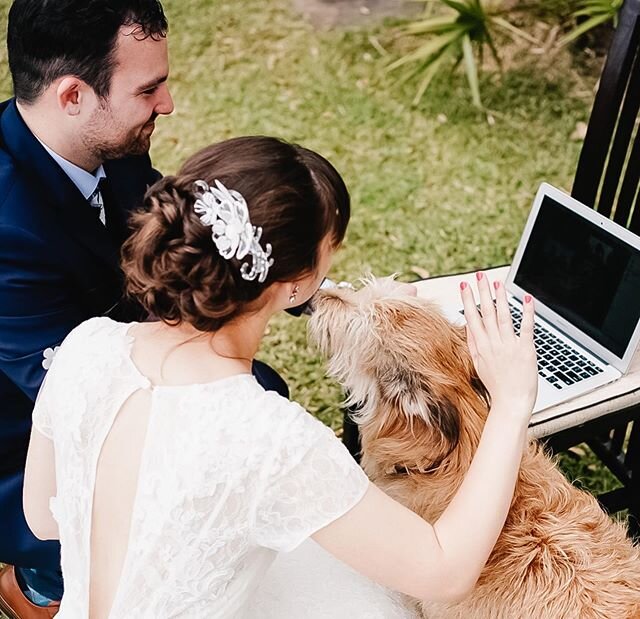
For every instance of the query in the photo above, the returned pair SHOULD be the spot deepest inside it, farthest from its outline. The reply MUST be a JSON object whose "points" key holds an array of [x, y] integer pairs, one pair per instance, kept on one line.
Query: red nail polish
{"points": [[463, 285], [496, 285], [479, 275], [527, 298]]}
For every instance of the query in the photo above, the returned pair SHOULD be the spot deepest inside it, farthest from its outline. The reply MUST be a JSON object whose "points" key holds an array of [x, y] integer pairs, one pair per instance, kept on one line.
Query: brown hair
{"points": [[171, 264]]}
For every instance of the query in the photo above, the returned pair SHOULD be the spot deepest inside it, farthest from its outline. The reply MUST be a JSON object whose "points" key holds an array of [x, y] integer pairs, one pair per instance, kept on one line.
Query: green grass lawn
{"points": [[435, 188], [437, 193]]}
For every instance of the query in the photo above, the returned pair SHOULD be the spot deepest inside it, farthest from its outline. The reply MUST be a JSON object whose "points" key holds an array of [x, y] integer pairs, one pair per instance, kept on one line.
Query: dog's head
{"points": [[404, 366]]}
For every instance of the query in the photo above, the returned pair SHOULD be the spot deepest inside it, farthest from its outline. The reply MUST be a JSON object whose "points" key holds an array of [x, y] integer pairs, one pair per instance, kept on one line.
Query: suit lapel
{"points": [[56, 189], [116, 211]]}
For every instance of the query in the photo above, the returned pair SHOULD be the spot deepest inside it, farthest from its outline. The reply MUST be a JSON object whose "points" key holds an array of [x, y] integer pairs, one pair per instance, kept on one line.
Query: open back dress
{"points": [[230, 475]]}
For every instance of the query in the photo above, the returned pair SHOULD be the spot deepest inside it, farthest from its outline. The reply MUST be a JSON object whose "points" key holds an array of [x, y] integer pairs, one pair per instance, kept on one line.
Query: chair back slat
{"points": [[615, 78], [634, 224], [619, 155], [629, 187]]}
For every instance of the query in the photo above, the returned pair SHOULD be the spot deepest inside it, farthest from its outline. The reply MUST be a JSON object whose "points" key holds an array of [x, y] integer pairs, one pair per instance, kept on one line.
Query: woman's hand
{"points": [[506, 363]]}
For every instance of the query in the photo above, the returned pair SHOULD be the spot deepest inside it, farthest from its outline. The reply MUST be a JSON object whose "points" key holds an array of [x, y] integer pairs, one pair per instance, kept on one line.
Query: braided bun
{"points": [[171, 264]]}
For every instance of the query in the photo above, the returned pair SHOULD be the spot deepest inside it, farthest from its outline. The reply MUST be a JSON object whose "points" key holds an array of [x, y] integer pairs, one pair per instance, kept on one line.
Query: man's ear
{"points": [[70, 94]]}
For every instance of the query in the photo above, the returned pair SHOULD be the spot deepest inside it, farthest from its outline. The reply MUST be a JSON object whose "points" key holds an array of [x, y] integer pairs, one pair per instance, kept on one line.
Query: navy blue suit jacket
{"points": [[59, 266]]}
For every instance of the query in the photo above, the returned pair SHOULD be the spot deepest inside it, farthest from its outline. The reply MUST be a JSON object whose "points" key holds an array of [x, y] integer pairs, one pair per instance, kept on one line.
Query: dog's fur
{"points": [[422, 409]]}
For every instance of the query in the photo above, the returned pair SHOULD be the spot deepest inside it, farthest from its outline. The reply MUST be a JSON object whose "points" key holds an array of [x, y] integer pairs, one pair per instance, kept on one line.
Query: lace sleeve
{"points": [[61, 361], [313, 481]]}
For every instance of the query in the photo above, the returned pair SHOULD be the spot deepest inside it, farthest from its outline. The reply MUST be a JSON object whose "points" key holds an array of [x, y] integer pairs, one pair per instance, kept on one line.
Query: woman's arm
{"points": [[40, 486], [390, 544]]}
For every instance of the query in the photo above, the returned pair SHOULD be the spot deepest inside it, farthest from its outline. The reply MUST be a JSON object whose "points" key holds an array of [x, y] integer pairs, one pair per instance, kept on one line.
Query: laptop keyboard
{"points": [[559, 363]]}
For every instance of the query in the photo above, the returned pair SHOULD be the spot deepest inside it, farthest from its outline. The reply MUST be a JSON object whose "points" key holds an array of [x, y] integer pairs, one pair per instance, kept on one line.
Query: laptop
{"points": [[584, 272]]}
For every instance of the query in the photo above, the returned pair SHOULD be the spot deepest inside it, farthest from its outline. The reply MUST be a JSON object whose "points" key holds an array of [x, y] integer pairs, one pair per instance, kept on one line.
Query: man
{"points": [[90, 80]]}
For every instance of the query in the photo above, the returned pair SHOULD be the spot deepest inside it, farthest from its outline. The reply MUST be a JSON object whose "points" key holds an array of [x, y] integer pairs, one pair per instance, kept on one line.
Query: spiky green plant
{"points": [[596, 12], [458, 36]]}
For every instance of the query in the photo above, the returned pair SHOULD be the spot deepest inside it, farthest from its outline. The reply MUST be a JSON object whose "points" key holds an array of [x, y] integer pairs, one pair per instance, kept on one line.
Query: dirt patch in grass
{"points": [[350, 13]]}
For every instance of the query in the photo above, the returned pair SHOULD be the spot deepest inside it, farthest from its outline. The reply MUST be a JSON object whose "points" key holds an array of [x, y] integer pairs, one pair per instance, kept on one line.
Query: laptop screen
{"points": [[584, 274]]}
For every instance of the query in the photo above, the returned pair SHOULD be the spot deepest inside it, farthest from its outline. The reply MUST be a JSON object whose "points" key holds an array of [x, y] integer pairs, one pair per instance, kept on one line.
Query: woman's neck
{"points": [[239, 339]]}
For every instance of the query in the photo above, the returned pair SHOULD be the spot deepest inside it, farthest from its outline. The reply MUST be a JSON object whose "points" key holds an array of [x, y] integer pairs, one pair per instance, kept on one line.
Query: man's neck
{"points": [[70, 149]]}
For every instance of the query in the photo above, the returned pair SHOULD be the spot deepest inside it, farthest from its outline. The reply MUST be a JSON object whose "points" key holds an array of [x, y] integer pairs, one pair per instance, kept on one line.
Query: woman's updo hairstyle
{"points": [[171, 264]]}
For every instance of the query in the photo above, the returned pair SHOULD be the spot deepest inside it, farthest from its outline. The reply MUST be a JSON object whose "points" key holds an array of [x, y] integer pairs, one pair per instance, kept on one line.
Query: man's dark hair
{"points": [[47, 39]]}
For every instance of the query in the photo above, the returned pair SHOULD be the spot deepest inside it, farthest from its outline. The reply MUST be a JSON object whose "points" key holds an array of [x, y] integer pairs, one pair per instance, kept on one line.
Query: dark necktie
{"points": [[96, 200]]}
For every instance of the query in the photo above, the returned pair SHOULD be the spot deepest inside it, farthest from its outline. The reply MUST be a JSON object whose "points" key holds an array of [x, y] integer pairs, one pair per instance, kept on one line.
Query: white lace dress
{"points": [[230, 476]]}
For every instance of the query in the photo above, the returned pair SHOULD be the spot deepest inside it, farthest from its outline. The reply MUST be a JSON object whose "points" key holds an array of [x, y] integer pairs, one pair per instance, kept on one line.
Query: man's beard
{"points": [[134, 142]]}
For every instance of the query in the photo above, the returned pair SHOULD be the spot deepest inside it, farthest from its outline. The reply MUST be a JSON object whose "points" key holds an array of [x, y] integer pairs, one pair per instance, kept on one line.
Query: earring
{"points": [[294, 294]]}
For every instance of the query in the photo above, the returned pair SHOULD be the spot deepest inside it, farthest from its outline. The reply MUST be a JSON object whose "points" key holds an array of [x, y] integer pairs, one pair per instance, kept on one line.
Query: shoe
{"points": [[14, 603]]}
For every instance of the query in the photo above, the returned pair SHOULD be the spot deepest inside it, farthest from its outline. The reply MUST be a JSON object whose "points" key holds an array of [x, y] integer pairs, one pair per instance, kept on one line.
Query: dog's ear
{"points": [[410, 394], [478, 386], [446, 419]]}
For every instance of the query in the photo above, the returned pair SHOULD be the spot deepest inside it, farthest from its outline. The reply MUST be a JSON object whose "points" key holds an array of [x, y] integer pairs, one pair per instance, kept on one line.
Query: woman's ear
{"points": [[283, 295]]}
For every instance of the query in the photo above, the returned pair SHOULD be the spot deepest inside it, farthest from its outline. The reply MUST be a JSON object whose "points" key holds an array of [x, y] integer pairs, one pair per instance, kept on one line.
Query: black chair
{"points": [[607, 179]]}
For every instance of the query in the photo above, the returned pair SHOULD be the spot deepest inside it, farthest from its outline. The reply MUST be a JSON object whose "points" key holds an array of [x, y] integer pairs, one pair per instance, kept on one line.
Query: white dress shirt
{"points": [[86, 182]]}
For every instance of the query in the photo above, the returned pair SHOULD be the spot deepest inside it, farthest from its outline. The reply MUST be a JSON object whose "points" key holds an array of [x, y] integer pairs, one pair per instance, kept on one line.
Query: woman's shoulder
{"points": [[91, 327], [266, 421], [92, 335], [289, 415], [289, 429]]}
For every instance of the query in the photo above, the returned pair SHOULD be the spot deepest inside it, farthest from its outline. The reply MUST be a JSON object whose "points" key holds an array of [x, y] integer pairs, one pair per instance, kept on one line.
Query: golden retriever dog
{"points": [[422, 409]]}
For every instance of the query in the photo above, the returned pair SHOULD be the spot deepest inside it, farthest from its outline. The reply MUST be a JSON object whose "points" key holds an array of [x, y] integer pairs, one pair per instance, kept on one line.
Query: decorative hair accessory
{"points": [[226, 211]]}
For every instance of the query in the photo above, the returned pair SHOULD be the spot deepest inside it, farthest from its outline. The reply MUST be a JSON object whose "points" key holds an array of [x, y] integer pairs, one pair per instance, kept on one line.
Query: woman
{"points": [[174, 478]]}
